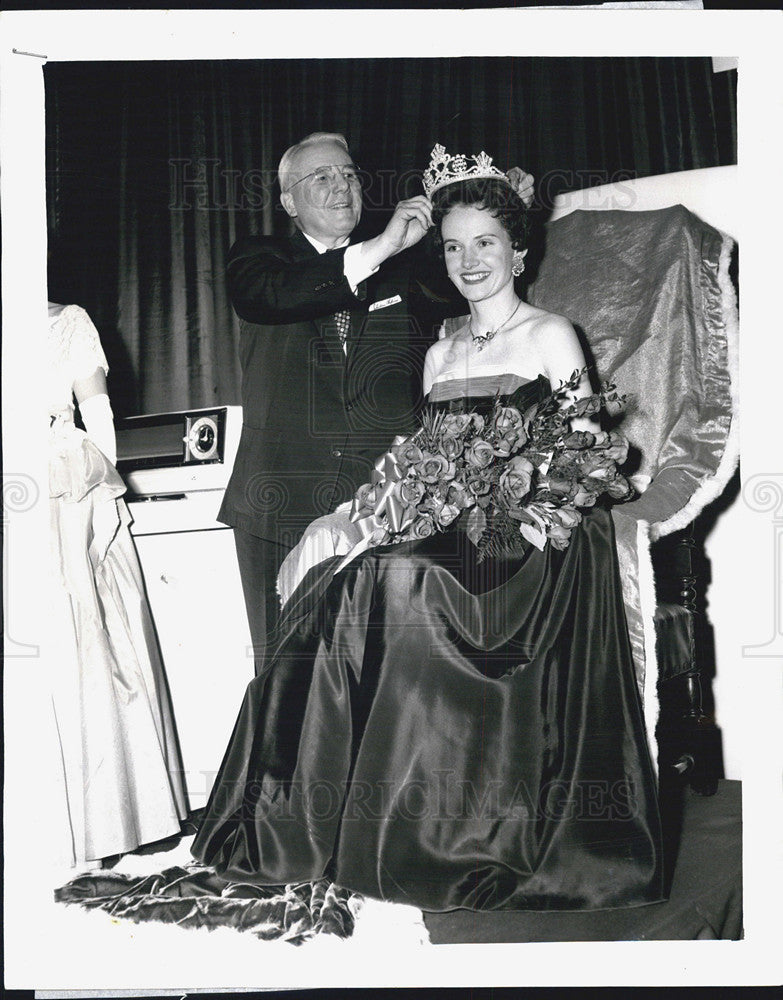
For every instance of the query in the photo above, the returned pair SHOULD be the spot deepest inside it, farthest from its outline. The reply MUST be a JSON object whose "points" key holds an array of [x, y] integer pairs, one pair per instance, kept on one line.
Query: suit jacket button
{"points": [[336, 453], [348, 407]]}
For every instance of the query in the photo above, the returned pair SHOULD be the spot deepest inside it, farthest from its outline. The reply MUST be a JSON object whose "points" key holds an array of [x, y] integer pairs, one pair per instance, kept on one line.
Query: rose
{"points": [[558, 536], [617, 449], [478, 486], [445, 513], [515, 481], [510, 426], [561, 487], [422, 527], [511, 441], [595, 464], [409, 491], [455, 423], [595, 485], [566, 517], [619, 488], [579, 440], [459, 496], [612, 445], [508, 418], [451, 446], [608, 480], [479, 454], [407, 453], [583, 497], [434, 468]]}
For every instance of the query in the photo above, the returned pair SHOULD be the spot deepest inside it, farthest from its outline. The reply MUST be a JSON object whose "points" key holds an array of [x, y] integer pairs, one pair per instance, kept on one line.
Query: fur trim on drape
{"points": [[648, 604], [711, 487]]}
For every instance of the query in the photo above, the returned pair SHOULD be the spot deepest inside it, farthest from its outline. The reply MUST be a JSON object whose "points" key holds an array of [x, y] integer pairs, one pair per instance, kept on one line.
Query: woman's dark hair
{"points": [[495, 196]]}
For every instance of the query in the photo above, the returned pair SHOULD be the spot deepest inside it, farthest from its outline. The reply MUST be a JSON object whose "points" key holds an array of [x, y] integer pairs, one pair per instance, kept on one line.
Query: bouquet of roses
{"points": [[514, 474]]}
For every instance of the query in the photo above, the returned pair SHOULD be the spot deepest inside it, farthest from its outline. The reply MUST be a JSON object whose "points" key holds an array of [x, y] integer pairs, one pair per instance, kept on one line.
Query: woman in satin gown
{"points": [[119, 774], [442, 732]]}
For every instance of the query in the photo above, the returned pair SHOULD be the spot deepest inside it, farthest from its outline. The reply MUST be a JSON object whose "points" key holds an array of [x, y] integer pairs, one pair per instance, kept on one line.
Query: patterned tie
{"points": [[343, 320]]}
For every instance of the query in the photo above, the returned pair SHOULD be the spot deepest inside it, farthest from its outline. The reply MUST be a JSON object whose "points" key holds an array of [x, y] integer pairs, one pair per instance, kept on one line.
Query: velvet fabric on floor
{"points": [[705, 901], [192, 896]]}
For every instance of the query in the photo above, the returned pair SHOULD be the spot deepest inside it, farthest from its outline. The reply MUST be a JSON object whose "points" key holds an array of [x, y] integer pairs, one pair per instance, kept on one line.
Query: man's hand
{"points": [[411, 220], [522, 183]]}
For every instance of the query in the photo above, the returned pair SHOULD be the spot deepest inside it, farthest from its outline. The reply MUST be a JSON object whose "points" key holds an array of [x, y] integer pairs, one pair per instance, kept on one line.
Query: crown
{"points": [[444, 169]]}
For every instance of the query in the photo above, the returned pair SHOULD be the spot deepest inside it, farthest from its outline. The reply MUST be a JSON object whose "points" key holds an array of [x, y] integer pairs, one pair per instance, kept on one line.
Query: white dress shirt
{"points": [[354, 268]]}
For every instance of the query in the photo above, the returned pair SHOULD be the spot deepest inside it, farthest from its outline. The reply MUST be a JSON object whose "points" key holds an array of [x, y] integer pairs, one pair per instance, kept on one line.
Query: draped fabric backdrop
{"points": [[154, 169]]}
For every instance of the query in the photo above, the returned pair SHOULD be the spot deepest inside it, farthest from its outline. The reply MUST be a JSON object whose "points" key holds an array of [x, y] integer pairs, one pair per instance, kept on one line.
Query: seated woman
{"points": [[438, 726]]}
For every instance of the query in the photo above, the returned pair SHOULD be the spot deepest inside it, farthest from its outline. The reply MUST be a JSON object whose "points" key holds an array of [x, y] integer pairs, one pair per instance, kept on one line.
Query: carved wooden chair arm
{"points": [[688, 739]]}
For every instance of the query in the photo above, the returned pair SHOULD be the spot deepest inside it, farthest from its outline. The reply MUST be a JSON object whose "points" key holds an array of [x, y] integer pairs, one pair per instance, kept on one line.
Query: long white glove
{"points": [[99, 423]]}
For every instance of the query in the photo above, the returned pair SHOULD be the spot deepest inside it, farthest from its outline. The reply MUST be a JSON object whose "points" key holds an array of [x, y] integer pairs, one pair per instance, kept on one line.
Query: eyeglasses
{"points": [[325, 176]]}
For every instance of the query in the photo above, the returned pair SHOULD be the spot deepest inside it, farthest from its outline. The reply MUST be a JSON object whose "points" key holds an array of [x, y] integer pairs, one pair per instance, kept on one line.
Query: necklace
{"points": [[480, 340]]}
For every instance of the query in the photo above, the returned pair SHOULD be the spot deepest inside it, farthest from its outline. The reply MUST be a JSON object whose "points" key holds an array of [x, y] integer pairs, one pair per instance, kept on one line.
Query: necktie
{"points": [[343, 320]]}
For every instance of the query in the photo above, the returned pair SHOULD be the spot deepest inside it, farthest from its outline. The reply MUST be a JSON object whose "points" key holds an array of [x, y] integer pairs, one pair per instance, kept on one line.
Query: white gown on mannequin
{"points": [[123, 784]]}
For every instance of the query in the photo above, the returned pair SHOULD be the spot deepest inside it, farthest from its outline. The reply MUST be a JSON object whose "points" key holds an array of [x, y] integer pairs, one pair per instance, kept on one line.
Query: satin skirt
{"points": [[446, 734]]}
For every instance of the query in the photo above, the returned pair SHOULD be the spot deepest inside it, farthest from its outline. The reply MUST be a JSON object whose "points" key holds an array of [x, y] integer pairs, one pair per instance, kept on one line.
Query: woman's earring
{"points": [[518, 262]]}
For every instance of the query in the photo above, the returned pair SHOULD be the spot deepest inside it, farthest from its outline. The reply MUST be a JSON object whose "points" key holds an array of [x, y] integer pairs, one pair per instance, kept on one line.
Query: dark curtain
{"points": [[154, 169]]}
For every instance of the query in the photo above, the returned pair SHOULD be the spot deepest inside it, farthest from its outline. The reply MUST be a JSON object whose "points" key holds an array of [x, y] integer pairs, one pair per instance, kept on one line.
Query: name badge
{"points": [[385, 302]]}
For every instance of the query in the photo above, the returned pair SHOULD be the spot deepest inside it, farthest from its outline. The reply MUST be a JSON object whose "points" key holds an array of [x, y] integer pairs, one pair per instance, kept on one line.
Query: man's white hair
{"points": [[286, 161]]}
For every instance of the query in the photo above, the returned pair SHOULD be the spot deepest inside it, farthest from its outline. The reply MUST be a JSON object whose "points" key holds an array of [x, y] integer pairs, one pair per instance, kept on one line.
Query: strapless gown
{"points": [[444, 733]]}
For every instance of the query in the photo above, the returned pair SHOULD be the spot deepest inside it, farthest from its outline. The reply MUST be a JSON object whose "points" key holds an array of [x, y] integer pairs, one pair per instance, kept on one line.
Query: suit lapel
{"points": [[385, 284], [325, 328], [359, 318]]}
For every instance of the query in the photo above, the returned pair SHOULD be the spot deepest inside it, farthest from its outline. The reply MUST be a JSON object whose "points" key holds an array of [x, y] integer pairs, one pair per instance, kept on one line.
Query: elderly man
{"points": [[331, 352]]}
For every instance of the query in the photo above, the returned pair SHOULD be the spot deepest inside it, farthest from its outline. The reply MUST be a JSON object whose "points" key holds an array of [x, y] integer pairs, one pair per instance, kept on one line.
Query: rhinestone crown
{"points": [[444, 169]]}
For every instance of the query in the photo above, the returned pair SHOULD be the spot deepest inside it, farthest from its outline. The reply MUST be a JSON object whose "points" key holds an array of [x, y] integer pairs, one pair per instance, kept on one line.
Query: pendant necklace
{"points": [[482, 339]]}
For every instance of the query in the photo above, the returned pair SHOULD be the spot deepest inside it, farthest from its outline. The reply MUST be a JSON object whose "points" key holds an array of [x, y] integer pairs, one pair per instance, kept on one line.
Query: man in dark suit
{"points": [[331, 353]]}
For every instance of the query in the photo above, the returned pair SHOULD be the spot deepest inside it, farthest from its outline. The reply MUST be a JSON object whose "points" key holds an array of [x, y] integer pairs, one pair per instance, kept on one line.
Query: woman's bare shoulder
{"points": [[435, 352], [548, 342], [446, 345], [548, 324]]}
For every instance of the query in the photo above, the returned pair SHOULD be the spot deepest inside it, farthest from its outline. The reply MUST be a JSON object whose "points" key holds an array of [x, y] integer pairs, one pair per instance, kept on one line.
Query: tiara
{"points": [[444, 169]]}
